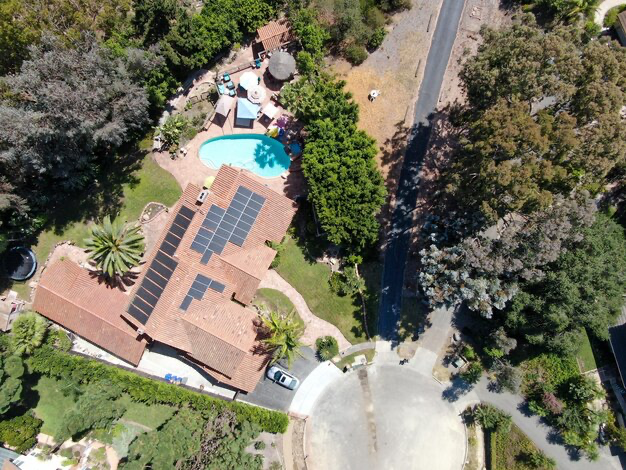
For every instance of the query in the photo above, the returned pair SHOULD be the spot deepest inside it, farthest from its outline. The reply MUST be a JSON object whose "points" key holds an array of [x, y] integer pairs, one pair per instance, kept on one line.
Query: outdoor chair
{"points": [[257, 63], [232, 92], [226, 77], [220, 89], [230, 85]]}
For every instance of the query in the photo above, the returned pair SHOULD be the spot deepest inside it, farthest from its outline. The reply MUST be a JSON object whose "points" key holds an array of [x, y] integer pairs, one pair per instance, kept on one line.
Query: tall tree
{"points": [[27, 333], [284, 336], [583, 289], [63, 111]]}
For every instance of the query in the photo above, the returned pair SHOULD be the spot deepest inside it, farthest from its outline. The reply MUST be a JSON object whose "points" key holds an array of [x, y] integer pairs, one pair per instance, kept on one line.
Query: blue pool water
{"points": [[255, 152]]}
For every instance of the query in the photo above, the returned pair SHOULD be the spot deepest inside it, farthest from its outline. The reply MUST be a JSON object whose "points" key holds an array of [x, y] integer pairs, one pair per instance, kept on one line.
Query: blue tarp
{"points": [[246, 109]]}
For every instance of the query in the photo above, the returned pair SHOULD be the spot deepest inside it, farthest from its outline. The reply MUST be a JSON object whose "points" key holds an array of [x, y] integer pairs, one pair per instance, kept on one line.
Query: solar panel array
{"points": [[161, 268], [233, 224], [198, 289]]}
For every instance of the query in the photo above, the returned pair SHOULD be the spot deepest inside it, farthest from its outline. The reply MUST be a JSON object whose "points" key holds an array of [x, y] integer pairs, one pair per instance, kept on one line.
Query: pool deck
{"points": [[189, 169]]}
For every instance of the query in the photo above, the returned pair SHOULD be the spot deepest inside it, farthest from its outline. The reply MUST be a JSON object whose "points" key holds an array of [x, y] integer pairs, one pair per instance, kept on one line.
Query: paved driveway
{"points": [[385, 417], [274, 396]]}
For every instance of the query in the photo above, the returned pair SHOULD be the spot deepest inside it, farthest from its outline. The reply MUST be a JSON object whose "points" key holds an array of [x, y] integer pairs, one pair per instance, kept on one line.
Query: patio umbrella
{"points": [[256, 94], [282, 65], [248, 80], [270, 110], [224, 105]]}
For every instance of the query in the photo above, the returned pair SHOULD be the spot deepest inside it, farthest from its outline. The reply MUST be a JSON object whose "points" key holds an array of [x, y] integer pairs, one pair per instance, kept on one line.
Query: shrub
{"points": [[377, 38], [356, 54], [327, 347], [20, 432], [279, 248], [492, 419], [259, 445], [552, 403], [335, 282], [610, 19], [469, 353], [473, 373], [58, 364]]}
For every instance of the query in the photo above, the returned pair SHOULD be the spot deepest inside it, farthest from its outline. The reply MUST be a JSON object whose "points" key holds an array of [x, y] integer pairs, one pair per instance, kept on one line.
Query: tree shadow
{"points": [[456, 390]]}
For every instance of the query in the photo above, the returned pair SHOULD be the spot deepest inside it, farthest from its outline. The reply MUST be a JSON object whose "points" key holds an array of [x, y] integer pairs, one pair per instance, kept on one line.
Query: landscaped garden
{"points": [[148, 183], [43, 388], [311, 280]]}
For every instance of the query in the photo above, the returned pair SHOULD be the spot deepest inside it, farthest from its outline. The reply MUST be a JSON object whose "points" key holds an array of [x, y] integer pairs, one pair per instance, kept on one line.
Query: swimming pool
{"points": [[258, 153]]}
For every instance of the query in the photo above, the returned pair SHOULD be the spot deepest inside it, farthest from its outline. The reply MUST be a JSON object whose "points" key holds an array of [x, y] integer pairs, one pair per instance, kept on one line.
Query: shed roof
{"points": [[274, 34]]}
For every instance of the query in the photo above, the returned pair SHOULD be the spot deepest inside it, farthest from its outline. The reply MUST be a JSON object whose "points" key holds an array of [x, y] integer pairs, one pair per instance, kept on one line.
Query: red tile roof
{"points": [[217, 332], [76, 299], [274, 34]]}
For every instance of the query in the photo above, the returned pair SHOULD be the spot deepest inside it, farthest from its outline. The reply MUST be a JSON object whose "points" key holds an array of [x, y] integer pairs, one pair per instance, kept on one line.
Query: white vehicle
{"points": [[276, 374]]}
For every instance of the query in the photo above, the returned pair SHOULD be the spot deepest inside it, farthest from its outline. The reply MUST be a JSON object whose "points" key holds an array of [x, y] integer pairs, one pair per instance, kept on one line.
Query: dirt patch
{"points": [[392, 69]]}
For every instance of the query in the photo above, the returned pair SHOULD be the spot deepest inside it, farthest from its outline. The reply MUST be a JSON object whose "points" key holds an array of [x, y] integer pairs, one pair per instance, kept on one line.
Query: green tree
{"points": [[11, 372], [313, 37], [153, 19], [27, 333], [473, 373], [97, 408], [327, 347], [115, 247], [583, 289], [345, 185], [284, 336], [20, 432]]}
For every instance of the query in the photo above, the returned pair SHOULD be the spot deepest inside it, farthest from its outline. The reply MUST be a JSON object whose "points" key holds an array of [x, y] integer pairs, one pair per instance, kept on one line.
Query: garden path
{"points": [[314, 326]]}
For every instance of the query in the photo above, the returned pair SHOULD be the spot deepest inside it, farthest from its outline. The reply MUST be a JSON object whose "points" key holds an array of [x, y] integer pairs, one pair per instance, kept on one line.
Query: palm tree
{"points": [[577, 7], [27, 333], [115, 247], [284, 339]]}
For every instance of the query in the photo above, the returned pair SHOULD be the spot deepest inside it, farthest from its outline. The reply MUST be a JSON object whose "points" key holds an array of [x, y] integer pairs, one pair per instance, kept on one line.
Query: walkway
{"points": [[406, 197], [315, 327], [604, 7]]}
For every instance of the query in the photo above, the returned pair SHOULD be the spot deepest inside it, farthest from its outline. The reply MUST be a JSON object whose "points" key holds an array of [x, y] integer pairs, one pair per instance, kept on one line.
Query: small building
{"points": [[274, 35], [246, 112], [620, 27]]}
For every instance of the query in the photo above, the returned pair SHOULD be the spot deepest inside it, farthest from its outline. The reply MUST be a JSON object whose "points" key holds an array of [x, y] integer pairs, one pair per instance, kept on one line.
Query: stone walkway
{"points": [[315, 327]]}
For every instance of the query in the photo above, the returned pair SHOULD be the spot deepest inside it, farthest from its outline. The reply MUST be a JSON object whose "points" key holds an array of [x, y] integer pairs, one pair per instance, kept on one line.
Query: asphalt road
{"points": [[274, 396], [406, 195]]}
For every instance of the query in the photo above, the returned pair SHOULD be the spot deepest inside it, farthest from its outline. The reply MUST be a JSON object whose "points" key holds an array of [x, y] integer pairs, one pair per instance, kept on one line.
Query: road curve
{"points": [[398, 237]]}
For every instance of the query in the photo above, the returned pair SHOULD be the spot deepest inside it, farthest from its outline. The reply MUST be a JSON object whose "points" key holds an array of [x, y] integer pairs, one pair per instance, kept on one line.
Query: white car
{"points": [[276, 374]]}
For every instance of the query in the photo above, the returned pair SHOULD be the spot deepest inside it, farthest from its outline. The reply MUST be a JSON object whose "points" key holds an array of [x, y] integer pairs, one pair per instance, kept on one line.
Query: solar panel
{"points": [[187, 212], [152, 287], [154, 277], [237, 240], [168, 248], [137, 314], [217, 286], [142, 305], [177, 230], [257, 198], [206, 257], [186, 303], [166, 260], [245, 191], [147, 296], [173, 239], [182, 221]]}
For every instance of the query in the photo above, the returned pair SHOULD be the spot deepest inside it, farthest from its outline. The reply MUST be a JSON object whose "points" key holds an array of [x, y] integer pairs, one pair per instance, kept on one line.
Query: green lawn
{"points": [[511, 450], [310, 279], [150, 183], [273, 300], [585, 357], [151, 416], [51, 405]]}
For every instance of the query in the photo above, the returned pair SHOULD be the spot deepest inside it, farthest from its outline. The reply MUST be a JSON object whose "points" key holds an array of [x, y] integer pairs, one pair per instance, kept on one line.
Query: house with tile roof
{"points": [[274, 35], [194, 288]]}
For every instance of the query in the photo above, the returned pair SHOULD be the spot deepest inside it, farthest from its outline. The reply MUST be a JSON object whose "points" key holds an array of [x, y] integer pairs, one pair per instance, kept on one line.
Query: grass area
{"points": [[51, 405], [276, 301], [151, 416], [349, 359], [584, 356], [148, 183], [412, 318], [310, 279], [512, 451]]}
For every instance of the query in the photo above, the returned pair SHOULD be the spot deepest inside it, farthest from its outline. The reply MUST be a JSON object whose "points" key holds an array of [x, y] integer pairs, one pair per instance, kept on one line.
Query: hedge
{"points": [[52, 362]]}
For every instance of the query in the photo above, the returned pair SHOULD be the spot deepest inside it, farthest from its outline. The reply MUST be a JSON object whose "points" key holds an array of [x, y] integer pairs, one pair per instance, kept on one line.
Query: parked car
{"points": [[276, 374]]}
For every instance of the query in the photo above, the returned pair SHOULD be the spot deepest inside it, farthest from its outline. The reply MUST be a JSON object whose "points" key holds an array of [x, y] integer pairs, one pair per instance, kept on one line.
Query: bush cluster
{"points": [[58, 364], [327, 347], [20, 432]]}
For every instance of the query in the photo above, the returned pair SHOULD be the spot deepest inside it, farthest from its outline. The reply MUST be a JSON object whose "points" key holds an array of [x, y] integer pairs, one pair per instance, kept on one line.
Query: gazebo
{"points": [[282, 66], [246, 112]]}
